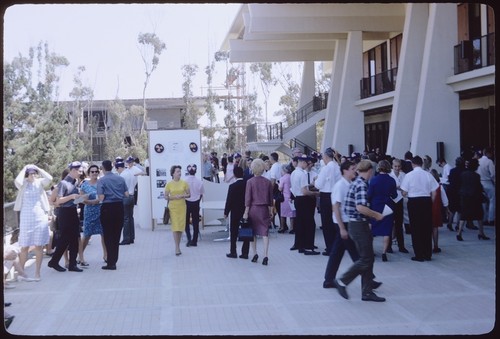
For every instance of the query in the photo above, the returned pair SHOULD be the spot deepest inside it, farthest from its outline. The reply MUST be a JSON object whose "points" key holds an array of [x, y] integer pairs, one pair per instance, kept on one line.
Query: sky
{"points": [[103, 38]]}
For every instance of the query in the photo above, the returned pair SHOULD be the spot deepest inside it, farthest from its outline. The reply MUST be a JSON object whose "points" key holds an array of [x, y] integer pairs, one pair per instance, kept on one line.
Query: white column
{"points": [[409, 69], [308, 82], [437, 110], [334, 95], [349, 124]]}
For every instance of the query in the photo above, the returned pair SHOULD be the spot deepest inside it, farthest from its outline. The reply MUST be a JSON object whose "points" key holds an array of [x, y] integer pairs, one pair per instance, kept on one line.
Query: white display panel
{"points": [[166, 149]]}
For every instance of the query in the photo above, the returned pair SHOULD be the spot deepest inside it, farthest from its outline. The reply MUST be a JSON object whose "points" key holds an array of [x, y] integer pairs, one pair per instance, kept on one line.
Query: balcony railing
{"points": [[474, 54], [379, 83]]}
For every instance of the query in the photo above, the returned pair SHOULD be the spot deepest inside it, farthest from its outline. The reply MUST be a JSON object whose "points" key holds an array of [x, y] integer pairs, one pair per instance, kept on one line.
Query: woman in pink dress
{"points": [[286, 209], [259, 207]]}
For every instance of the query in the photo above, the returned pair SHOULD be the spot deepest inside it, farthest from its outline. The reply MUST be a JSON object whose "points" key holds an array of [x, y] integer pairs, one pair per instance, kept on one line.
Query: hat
{"points": [[304, 157], [130, 159], [118, 159], [119, 164], [237, 155], [75, 164]]}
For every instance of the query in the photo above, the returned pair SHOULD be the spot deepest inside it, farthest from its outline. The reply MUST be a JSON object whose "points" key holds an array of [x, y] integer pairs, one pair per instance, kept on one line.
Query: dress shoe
{"points": [[417, 259], [384, 257], [109, 267], [482, 237], [193, 244], [57, 267], [75, 269], [372, 297], [389, 250], [293, 248], [301, 250], [7, 304], [436, 250], [242, 256], [232, 255], [313, 252], [255, 258], [376, 284], [459, 237], [188, 244], [264, 261], [291, 232], [328, 284], [403, 250], [325, 253], [125, 243], [450, 227], [341, 289]]}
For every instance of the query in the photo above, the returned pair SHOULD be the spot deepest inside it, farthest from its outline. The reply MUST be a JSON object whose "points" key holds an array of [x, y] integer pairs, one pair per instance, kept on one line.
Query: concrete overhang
{"points": [[473, 79]]}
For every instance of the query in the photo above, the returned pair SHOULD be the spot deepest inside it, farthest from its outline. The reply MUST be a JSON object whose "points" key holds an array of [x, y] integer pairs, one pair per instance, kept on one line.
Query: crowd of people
{"points": [[358, 197]]}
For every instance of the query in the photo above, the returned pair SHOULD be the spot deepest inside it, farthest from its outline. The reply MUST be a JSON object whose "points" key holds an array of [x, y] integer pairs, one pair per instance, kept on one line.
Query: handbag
{"points": [[245, 231], [279, 197], [166, 215]]}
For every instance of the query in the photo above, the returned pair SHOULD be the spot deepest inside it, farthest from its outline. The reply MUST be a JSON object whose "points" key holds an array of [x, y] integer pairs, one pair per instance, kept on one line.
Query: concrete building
{"points": [[416, 77]]}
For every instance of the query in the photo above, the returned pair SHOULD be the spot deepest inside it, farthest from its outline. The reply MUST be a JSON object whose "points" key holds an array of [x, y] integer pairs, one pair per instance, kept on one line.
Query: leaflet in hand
{"points": [[80, 199], [387, 210]]}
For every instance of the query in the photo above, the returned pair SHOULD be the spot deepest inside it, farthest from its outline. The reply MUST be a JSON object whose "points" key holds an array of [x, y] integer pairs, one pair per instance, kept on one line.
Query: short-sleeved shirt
{"points": [[112, 186], [419, 183], [67, 187], [196, 189], [297, 178], [339, 193], [328, 177], [275, 171], [357, 194]]}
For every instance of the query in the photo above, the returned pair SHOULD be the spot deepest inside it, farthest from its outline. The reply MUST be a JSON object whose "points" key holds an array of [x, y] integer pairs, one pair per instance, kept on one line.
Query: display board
{"points": [[166, 149]]}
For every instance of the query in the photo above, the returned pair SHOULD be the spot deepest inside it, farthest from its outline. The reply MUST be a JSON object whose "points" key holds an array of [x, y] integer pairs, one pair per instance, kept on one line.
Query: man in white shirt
{"points": [[196, 190], [399, 206], [486, 171], [275, 175], [298, 180], [128, 232], [420, 187], [328, 176]]}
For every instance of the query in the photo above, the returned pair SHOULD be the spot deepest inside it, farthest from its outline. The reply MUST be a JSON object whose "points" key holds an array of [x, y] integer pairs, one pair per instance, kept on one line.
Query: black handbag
{"points": [[166, 215], [279, 197], [245, 231]]}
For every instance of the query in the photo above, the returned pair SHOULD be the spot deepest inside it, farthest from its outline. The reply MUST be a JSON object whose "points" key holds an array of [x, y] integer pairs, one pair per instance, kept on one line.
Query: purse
{"points": [[166, 215], [245, 231], [279, 197]]}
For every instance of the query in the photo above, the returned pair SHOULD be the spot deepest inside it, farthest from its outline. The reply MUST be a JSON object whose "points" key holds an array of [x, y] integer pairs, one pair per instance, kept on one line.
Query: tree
{"points": [[35, 124], [208, 132], [150, 47], [267, 81], [192, 113]]}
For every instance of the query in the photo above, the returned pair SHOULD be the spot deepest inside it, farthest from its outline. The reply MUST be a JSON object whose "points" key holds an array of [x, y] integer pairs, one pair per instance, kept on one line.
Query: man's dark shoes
{"points": [[293, 248], [125, 243], [193, 244], [109, 267], [417, 259], [372, 297], [75, 269], [7, 304], [242, 256], [403, 250], [376, 284], [341, 289], [232, 255], [328, 284], [313, 252], [57, 267]]}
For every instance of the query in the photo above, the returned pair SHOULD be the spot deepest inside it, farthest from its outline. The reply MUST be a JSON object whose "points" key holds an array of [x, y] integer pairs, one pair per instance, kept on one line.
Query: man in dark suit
{"points": [[235, 204]]}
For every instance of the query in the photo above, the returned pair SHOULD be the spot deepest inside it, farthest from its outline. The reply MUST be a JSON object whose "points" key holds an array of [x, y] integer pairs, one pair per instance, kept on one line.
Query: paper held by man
{"points": [[387, 211]]}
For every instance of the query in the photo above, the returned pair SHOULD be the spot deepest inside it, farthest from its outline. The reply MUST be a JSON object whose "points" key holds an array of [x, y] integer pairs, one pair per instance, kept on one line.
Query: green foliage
{"points": [[37, 129], [192, 113]]}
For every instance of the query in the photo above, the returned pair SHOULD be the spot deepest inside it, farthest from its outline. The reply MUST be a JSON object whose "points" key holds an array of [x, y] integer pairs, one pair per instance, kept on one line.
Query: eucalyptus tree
{"points": [[208, 132], [150, 48], [191, 113]]}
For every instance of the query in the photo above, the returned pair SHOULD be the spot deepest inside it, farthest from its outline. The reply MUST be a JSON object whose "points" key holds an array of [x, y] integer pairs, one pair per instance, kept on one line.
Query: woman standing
{"points": [[33, 203], [440, 201], [381, 191], [92, 212], [176, 192], [259, 206], [286, 210]]}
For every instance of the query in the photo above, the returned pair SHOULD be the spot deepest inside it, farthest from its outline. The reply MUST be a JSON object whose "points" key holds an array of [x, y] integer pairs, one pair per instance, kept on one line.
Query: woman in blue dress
{"points": [[381, 191], [91, 213]]}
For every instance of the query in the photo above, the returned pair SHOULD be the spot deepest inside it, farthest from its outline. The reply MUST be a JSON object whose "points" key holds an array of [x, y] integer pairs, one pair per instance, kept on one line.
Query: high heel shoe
{"points": [[264, 261], [459, 237], [482, 237], [384, 257], [255, 257]]}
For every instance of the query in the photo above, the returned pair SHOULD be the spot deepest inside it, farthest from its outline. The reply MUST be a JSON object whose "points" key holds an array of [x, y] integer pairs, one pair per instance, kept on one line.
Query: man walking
{"points": [[128, 203], [357, 208], [111, 190], [193, 205]]}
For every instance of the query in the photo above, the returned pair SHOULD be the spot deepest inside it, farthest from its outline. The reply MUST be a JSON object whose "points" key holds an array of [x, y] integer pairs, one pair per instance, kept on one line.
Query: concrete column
{"points": [[349, 124], [334, 95], [308, 82], [438, 106], [407, 83]]}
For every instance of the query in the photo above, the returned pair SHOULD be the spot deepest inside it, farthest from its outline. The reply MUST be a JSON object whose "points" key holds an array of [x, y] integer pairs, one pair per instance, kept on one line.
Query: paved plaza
{"points": [[202, 292]]}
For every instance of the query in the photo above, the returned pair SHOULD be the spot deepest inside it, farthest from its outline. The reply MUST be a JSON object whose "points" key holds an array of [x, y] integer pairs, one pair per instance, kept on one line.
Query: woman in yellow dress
{"points": [[176, 192]]}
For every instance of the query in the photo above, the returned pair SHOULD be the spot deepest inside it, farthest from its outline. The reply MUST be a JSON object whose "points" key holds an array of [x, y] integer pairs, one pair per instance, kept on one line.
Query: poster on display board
{"points": [[166, 149]]}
